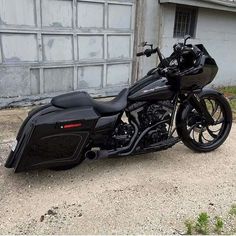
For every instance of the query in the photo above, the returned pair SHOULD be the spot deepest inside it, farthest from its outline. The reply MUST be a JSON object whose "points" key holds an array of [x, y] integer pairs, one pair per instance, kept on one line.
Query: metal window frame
{"points": [[190, 23]]}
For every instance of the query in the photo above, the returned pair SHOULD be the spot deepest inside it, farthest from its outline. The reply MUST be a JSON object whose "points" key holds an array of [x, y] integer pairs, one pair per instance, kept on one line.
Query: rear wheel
{"points": [[197, 134]]}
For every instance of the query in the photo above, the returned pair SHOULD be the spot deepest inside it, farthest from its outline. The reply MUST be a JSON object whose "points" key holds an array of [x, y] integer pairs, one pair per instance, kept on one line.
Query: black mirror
{"points": [[186, 38]]}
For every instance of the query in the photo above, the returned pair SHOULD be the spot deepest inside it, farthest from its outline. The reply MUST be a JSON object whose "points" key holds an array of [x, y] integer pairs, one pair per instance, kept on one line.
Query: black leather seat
{"points": [[82, 99]]}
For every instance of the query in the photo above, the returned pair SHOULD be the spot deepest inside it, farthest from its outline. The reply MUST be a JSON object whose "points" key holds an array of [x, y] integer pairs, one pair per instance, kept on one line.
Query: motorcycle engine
{"points": [[151, 115], [147, 115], [122, 135]]}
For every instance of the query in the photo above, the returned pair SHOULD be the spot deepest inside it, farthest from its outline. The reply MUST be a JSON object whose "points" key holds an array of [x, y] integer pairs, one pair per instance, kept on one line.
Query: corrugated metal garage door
{"points": [[49, 46]]}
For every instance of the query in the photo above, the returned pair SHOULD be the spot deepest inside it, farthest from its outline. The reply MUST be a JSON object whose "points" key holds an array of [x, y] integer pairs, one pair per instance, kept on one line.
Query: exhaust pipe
{"points": [[99, 154], [95, 155], [91, 155]]}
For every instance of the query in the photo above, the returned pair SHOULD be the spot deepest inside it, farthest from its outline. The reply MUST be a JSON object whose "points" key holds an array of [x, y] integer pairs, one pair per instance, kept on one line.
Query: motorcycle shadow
{"points": [[90, 171]]}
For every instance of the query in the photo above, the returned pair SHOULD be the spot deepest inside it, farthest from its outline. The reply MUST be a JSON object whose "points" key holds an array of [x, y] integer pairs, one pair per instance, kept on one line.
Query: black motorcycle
{"points": [[167, 106]]}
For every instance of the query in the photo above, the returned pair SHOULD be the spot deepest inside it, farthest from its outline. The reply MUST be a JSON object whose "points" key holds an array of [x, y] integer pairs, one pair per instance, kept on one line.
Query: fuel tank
{"points": [[151, 88]]}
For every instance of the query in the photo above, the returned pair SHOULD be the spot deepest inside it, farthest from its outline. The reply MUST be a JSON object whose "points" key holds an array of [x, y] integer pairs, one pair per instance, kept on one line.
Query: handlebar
{"points": [[139, 54], [180, 50], [147, 52]]}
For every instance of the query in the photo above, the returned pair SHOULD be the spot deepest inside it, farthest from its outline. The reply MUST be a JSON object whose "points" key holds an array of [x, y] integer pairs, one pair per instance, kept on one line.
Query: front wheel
{"points": [[194, 130]]}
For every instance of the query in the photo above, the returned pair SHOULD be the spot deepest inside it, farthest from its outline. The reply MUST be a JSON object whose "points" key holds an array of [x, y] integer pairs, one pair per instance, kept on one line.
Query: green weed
{"points": [[189, 224], [202, 225], [219, 224], [233, 210], [228, 90]]}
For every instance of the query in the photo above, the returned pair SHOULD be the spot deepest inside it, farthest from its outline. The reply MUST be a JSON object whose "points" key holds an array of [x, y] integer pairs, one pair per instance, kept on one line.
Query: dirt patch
{"points": [[147, 194]]}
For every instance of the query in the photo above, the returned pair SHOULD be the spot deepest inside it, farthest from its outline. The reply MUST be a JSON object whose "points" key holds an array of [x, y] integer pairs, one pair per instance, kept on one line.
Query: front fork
{"points": [[201, 108]]}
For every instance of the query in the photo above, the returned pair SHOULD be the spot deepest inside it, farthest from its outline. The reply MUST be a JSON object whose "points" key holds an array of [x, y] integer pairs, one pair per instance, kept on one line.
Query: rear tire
{"points": [[209, 137]]}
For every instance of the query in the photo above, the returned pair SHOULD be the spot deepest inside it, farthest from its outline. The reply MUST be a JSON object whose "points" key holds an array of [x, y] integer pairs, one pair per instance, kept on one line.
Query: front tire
{"points": [[192, 127]]}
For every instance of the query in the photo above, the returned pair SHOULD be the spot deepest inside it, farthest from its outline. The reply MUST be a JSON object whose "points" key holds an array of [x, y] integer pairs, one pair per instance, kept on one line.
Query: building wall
{"points": [[55, 46], [151, 26], [216, 30]]}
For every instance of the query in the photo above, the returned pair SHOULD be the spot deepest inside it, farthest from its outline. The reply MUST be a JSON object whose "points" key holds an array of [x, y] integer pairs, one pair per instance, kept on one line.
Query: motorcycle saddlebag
{"points": [[52, 137]]}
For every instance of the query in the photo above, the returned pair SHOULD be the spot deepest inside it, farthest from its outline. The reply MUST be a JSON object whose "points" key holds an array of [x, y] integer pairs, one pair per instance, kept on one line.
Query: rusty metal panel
{"points": [[58, 79], [17, 12], [119, 16], [90, 15], [90, 47], [57, 13], [90, 77], [57, 48], [19, 48], [118, 74], [119, 46]]}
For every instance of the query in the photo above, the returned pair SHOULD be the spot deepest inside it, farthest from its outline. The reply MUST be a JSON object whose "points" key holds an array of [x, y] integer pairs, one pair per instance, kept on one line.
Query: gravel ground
{"points": [[147, 194]]}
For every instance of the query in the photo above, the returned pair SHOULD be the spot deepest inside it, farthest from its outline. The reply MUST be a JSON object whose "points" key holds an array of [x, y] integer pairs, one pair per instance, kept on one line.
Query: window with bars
{"points": [[185, 21]]}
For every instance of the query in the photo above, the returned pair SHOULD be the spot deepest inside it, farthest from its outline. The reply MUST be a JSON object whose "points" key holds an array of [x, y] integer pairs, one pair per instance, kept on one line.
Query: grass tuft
{"points": [[189, 224], [230, 93], [202, 225], [219, 224], [233, 210]]}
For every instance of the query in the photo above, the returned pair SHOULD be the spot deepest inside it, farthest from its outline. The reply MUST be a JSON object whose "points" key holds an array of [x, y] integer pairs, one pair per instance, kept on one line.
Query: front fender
{"points": [[184, 107]]}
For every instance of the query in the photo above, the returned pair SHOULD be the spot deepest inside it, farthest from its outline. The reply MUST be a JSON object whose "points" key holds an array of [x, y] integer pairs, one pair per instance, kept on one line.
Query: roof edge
{"points": [[211, 4]]}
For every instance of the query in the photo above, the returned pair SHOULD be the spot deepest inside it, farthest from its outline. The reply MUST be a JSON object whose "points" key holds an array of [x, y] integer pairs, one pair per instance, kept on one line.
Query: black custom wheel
{"points": [[197, 134]]}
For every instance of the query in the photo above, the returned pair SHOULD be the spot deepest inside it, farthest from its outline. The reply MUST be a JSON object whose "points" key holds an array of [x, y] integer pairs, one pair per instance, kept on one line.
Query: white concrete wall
{"points": [[148, 28], [216, 30], [151, 28]]}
